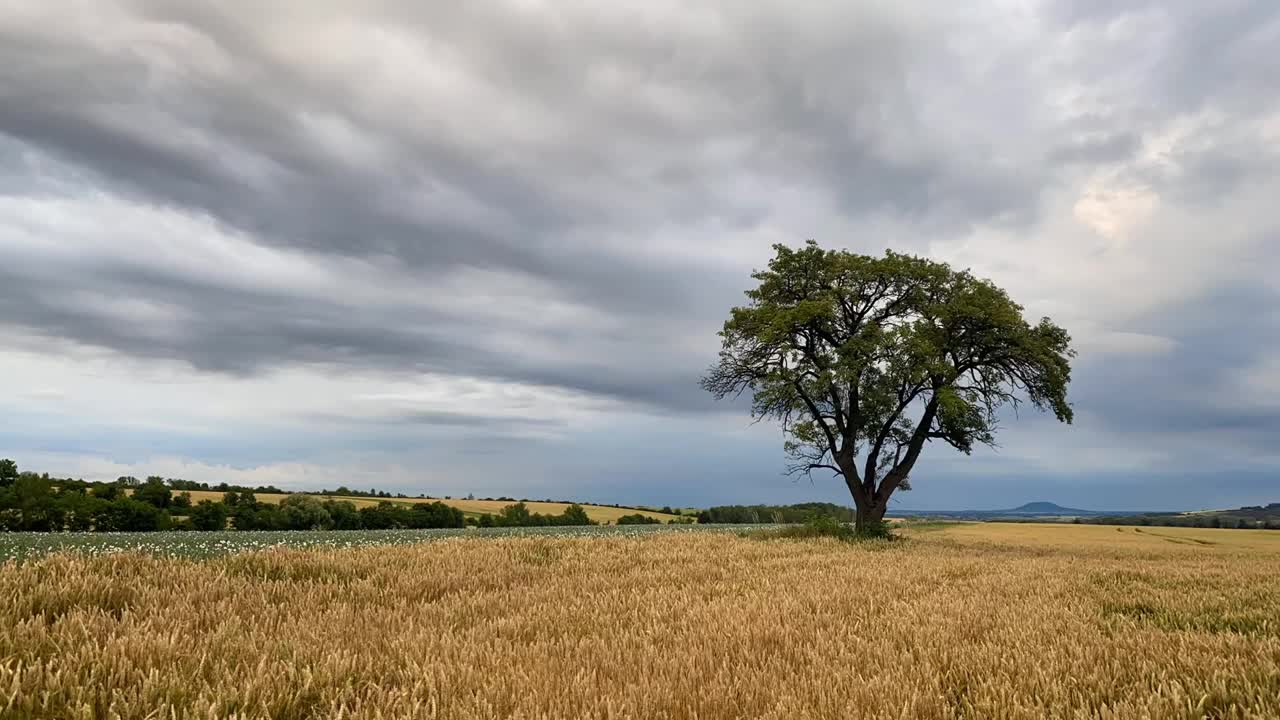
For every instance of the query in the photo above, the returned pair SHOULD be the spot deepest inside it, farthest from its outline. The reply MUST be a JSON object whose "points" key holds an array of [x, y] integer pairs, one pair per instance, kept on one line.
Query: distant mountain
{"points": [[1040, 508], [1255, 516]]}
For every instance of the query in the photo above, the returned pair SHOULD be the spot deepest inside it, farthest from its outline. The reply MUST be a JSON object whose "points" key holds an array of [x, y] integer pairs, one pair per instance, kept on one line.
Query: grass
{"points": [[965, 621], [599, 513]]}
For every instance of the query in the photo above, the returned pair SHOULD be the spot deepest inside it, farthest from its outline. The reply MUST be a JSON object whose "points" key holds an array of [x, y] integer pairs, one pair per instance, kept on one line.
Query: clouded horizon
{"points": [[486, 247]]}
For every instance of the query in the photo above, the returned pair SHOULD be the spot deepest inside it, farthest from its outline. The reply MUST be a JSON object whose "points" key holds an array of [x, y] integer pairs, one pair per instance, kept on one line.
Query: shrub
{"points": [[128, 515], [826, 526], [154, 492], [575, 515], [637, 519], [303, 512], [208, 515]]}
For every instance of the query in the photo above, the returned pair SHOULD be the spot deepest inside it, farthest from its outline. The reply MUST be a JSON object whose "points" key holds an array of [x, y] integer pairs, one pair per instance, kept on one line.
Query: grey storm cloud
{"points": [[600, 156], [248, 138]]}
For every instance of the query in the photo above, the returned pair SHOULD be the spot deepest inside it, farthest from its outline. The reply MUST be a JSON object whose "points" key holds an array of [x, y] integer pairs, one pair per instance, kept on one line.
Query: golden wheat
{"points": [[981, 621]]}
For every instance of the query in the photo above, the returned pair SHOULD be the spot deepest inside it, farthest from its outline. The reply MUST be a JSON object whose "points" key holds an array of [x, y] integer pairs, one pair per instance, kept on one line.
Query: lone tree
{"points": [[866, 359]]}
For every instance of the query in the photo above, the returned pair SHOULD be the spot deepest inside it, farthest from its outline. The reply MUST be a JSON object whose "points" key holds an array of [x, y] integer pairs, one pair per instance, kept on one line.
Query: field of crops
{"points": [[21, 546], [964, 621], [598, 513]]}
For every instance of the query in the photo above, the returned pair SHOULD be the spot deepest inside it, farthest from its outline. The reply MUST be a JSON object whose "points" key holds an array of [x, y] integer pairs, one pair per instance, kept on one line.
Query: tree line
{"points": [[38, 503], [798, 513]]}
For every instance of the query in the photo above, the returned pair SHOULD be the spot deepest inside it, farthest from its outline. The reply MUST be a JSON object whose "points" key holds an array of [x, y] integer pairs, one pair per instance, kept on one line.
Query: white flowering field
{"points": [[18, 546]]}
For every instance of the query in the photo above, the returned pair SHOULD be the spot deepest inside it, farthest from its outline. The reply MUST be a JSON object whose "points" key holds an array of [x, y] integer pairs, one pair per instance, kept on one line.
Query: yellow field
{"points": [[599, 513], [970, 621]]}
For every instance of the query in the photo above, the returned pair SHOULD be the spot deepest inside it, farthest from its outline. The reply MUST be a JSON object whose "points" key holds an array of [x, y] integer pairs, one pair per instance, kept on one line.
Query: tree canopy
{"points": [[864, 360]]}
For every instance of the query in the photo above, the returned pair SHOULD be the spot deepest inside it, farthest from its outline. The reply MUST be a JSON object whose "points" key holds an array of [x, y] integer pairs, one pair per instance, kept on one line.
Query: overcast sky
{"points": [[485, 247]]}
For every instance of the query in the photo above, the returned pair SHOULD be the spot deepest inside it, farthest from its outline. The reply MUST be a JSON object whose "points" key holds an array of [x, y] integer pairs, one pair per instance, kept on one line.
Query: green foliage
{"points": [[128, 515], [864, 360], [575, 514], [874, 529], [518, 515], [344, 515], [8, 472], [209, 515], [107, 491], [32, 502], [515, 515], [302, 512], [828, 527], [797, 513], [638, 519], [154, 492]]}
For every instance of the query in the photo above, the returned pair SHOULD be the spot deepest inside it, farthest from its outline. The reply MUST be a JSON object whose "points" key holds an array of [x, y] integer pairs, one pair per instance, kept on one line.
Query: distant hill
{"points": [[599, 513], [1251, 516], [1045, 508], [1037, 509]]}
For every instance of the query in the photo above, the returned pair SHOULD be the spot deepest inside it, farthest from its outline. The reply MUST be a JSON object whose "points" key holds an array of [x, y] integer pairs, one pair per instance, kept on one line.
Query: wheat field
{"points": [[971, 621]]}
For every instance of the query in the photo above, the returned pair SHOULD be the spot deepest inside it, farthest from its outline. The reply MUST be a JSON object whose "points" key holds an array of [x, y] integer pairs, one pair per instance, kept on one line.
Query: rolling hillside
{"points": [[599, 513]]}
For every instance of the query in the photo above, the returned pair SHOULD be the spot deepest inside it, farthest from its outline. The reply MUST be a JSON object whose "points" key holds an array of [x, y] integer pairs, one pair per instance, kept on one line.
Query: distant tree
{"points": [[208, 515], [30, 504], [435, 515], [303, 512], [515, 515], [864, 360], [106, 491], [247, 513], [8, 472], [127, 481], [154, 492], [797, 513], [575, 515], [181, 501], [344, 514], [81, 512], [384, 516], [637, 519], [1215, 522], [126, 514]]}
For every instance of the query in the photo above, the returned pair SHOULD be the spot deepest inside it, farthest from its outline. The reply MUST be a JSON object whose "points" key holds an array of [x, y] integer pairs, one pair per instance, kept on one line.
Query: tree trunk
{"points": [[867, 512]]}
